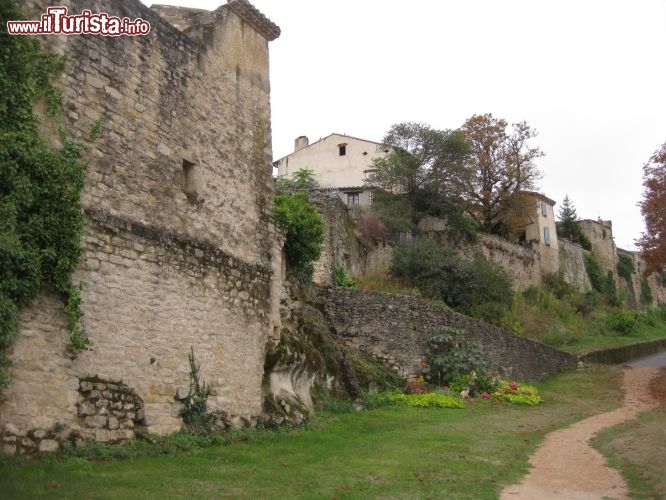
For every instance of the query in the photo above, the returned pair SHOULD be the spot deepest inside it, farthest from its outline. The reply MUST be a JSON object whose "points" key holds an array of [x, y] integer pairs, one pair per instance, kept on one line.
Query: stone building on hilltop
{"points": [[340, 163]]}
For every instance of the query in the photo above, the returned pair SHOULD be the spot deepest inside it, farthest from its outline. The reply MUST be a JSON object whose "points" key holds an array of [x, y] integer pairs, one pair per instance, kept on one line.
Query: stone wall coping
{"points": [[251, 15]]}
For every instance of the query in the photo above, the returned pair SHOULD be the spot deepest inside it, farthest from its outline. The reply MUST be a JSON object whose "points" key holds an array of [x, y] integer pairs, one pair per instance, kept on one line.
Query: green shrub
{"points": [[559, 336], [304, 231], [625, 266], [660, 312], [196, 417], [472, 384], [517, 393], [556, 284], [425, 400], [341, 278], [452, 358], [440, 273], [625, 322]]}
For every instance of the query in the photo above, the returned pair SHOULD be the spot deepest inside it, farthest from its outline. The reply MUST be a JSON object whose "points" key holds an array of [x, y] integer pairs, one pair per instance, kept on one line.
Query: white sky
{"points": [[589, 76]]}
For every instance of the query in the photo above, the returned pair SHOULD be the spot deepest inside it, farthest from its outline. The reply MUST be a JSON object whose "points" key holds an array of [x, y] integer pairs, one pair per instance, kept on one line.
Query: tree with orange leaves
{"points": [[653, 207], [501, 164]]}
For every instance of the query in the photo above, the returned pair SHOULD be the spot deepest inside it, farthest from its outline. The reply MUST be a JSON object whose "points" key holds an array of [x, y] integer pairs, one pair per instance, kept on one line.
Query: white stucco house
{"points": [[341, 164], [541, 226]]}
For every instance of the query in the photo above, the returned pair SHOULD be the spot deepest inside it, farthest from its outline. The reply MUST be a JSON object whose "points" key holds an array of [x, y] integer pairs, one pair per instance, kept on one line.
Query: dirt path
{"points": [[565, 466]]}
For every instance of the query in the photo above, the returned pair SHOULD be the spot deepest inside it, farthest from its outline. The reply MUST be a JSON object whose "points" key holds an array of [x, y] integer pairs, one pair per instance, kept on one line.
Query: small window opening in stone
{"points": [[189, 180], [342, 149]]}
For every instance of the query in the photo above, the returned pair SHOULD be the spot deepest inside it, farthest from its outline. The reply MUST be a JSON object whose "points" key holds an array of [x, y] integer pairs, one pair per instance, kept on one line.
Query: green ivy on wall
{"points": [[40, 216]]}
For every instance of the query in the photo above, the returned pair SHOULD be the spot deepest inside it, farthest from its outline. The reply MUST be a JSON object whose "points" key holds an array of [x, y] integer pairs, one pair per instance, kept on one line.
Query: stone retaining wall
{"points": [[397, 330], [622, 354]]}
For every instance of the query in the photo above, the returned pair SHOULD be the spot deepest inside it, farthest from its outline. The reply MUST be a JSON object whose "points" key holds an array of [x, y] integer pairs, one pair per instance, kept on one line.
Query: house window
{"points": [[544, 209], [342, 149], [546, 236], [353, 199]]}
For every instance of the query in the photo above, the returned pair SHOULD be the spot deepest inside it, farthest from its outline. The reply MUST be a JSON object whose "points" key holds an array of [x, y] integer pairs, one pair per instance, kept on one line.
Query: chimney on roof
{"points": [[301, 142]]}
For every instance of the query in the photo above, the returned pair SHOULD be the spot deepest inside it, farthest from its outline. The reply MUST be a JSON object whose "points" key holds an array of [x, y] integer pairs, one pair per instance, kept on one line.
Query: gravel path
{"points": [[565, 466]]}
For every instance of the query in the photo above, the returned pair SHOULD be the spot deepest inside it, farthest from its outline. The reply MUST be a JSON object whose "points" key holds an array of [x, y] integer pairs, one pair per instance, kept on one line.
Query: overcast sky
{"points": [[589, 76]]}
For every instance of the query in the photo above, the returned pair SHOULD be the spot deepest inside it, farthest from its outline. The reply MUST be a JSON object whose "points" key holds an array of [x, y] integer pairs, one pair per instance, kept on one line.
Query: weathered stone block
{"points": [[96, 421], [176, 408], [12, 429], [9, 449], [48, 446], [38, 434], [86, 408], [102, 435], [125, 435]]}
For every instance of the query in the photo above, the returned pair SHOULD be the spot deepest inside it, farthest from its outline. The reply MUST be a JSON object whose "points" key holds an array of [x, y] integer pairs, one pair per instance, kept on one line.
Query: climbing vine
{"points": [[40, 216]]}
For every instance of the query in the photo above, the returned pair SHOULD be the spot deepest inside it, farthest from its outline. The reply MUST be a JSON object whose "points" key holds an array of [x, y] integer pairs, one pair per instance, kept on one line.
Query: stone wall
{"points": [[655, 281], [340, 246], [180, 248], [658, 286], [625, 353], [572, 265], [397, 330], [600, 234], [521, 262]]}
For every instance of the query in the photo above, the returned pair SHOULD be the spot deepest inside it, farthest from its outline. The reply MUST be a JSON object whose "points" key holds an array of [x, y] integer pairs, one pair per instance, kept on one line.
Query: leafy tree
{"points": [[304, 231], [653, 207], [501, 163], [301, 180], [417, 177]]}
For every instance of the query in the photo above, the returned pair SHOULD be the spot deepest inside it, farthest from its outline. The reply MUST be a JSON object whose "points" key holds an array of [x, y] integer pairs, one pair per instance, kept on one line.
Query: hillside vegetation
{"points": [[555, 313]]}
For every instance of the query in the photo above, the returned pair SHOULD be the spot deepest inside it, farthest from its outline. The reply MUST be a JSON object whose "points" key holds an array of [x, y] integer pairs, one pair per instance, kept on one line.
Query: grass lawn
{"points": [[594, 341], [395, 452]]}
